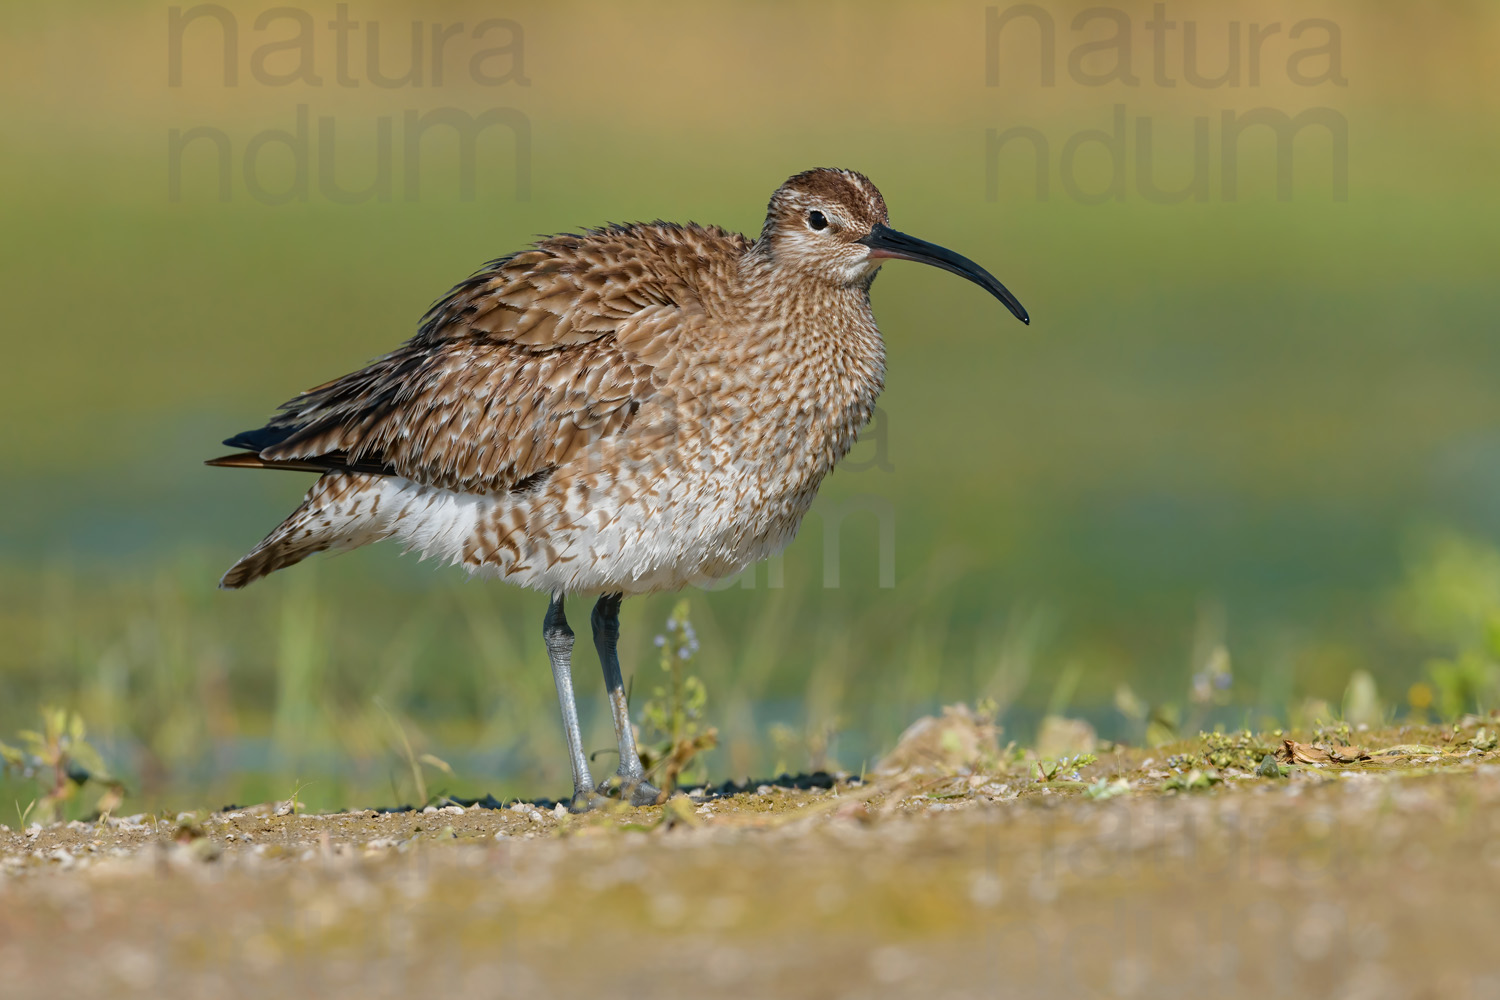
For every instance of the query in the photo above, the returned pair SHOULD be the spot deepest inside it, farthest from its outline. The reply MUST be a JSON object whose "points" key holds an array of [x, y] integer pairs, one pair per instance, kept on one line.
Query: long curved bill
{"points": [[884, 241]]}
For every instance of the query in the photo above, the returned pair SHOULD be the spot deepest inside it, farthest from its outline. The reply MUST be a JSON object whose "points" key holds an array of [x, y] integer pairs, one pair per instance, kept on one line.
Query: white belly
{"points": [[680, 534]]}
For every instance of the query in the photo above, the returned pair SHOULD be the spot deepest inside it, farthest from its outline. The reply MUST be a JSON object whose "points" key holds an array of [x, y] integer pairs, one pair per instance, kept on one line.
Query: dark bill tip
{"points": [[886, 242]]}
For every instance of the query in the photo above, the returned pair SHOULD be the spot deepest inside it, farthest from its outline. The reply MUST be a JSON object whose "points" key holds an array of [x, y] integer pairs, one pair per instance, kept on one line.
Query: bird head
{"points": [[832, 224]]}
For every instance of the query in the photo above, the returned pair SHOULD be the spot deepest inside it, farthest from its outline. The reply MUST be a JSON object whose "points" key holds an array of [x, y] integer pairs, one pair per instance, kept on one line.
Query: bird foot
{"points": [[633, 789], [584, 801]]}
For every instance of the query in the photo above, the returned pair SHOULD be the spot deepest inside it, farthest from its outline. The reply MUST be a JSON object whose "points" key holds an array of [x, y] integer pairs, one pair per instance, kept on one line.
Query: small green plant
{"points": [[292, 805], [1063, 768], [675, 732], [62, 761], [1242, 750]]}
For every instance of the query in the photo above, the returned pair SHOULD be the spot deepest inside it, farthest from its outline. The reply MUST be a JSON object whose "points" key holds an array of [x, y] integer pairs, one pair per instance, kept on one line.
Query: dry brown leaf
{"points": [[1300, 753], [1316, 753], [1347, 755]]}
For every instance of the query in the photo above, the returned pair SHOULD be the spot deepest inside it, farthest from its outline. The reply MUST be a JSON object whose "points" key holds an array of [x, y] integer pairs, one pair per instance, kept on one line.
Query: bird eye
{"points": [[817, 220]]}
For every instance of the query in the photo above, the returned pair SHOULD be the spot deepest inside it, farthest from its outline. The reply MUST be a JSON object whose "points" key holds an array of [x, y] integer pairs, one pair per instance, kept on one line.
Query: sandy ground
{"points": [[1373, 879]]}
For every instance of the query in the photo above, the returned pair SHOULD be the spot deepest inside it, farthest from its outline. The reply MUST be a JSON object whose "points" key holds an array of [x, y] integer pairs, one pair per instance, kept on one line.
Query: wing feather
{"points": [[520, 366]]}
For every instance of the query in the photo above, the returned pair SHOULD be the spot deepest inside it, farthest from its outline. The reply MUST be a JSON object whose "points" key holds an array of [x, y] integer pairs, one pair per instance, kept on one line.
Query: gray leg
{"points": [[631, 776], [559, 640]]}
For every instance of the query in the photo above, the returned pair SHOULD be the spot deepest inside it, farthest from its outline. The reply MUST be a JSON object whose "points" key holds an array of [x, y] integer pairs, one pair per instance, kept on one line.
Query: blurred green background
{"points": [[1265, 424]]}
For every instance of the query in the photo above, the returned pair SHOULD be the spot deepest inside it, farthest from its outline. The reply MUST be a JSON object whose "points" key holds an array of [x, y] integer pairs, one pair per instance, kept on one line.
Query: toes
{"points": [[636, 791], [645, 794], [583, 802]]}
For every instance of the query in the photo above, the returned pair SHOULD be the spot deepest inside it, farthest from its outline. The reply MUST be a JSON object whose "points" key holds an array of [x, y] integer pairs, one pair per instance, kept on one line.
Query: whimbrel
{"points": [[630, 409]]}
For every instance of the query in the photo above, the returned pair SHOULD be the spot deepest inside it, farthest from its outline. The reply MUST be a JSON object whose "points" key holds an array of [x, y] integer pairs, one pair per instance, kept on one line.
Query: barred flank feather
{"points": [[339, 512]]}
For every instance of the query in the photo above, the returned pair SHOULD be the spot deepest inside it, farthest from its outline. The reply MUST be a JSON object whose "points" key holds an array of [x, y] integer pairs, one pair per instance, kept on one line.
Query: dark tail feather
{"points": [[261, 438], [250, 460], [334, 461]]}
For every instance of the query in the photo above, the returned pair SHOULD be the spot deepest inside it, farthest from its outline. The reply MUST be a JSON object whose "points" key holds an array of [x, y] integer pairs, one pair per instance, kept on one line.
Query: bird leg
{"points": [[631, 776], [559, 639]]}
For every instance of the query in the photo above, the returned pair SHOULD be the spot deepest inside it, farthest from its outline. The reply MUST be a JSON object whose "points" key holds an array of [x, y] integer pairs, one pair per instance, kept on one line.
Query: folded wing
{"points": [[513, 372]]}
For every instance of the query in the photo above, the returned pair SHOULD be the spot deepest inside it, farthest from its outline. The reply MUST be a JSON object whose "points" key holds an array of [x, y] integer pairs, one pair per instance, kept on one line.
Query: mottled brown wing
{"points": [[516, 370]]}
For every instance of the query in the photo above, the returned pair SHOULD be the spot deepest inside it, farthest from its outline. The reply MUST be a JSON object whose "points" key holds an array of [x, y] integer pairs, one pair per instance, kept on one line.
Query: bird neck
{"points": [[780, 293], [817, 331]]}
